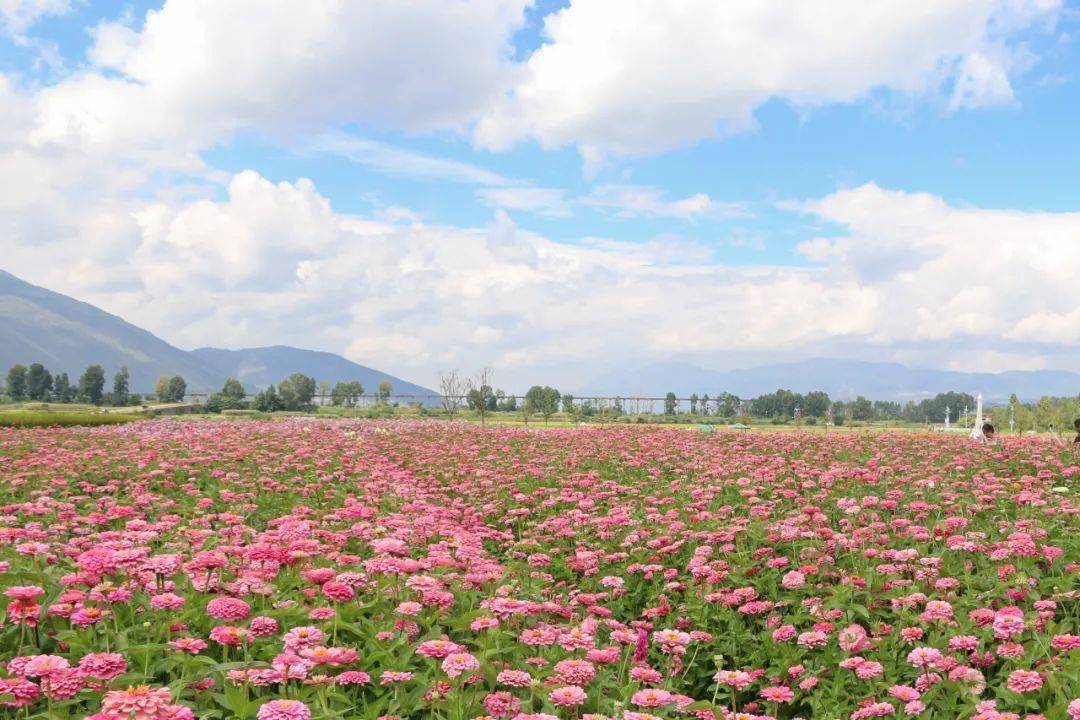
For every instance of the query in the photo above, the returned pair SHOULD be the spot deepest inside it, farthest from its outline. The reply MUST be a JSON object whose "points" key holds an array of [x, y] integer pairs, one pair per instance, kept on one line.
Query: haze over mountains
{"points": [[66, 335], [259, 367], [841, 379]]}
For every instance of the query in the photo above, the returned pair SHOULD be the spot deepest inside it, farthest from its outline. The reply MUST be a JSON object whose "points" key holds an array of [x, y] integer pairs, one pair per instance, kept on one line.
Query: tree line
{"points": [[296, 392], [36, 383], [817, 405]]}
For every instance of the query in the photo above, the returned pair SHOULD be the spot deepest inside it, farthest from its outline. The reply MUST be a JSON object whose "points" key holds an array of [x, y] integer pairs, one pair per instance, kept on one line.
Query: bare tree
{"points": [[480, 393], [451, 388]]}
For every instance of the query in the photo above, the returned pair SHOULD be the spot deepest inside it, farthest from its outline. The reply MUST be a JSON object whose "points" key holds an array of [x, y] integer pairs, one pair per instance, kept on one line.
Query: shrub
{"points": [[64, 419]]}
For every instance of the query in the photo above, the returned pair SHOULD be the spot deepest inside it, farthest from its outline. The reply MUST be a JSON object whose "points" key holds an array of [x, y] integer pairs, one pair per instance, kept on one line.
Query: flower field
{"points": [[337, 569]]}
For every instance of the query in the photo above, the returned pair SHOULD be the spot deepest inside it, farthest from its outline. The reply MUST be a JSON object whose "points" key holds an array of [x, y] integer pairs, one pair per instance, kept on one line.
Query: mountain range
{"points": [[67, 335], [841, 379]]}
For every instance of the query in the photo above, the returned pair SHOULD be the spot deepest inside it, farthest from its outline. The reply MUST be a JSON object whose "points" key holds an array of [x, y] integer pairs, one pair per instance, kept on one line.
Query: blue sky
{"points": [[551, 154]]}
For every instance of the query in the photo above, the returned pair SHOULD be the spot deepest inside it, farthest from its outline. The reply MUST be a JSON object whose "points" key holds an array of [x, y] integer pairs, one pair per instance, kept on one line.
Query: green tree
{"points": [[16, 382], [385, 388], [62, 390], [1045, 414], [233, 390], [727, 405], [296, 391], [39, 382], [568, 404], [267, 401], [177, 388], [92, 384], [693, 403], [533, 399], [346, 394], [816, 404], [670, 403], [480, 394], [861, 409], [121, 385], [549, 402], [231, 397], [161, 388]]}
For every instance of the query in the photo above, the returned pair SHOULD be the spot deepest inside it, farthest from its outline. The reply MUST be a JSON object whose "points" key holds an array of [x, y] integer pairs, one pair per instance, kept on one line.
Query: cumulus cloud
{"points": [[16, 16], [943, 271], [391, 160], [198, 71], [629, 201], [104, 193], [551, 202], [640, 77], [275, 262]]}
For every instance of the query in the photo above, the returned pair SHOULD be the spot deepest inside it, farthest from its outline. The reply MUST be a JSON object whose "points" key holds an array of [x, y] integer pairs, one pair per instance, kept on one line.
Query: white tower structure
{"points": [[976, 429]]}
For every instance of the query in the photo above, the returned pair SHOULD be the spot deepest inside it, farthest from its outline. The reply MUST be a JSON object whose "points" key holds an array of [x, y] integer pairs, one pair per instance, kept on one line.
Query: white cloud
{"points": [[204, 257], [551, 202], [981, 82], [198, 71], [1057, 326], [943, 271], [630, 201], [391, 160], [273, 262], [16, 16], [634, 76]]}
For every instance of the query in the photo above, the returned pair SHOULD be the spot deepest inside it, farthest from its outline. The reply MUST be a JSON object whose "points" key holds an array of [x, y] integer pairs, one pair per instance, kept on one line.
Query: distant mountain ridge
{"points": [[259, 367], [841, 379], [67, 335]]}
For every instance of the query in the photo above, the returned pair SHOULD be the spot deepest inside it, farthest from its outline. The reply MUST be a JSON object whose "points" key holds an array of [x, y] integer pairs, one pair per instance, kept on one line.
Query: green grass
{"points": [[31, 418]]}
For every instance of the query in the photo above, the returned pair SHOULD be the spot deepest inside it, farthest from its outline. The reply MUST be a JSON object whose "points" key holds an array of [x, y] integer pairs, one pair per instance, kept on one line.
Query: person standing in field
{"points": [[987, 436], [1076, 440]]}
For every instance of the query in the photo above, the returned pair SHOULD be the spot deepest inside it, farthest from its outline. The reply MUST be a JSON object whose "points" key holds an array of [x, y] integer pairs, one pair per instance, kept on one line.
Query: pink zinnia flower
{"points": [[924, 656], [567, 696], [284, 710], [514, 678], [502, 704], [737, 679], [44, 665], [227, 608], [456, 663], [793, 579], [229, 635], [142, 701], [301, 637], [262, 626], [24, 592], [352, 677], [778, 694], [853, 638], [1023, 681], [338, 591], [437, 648], [104, 666]]}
